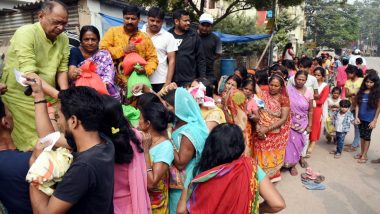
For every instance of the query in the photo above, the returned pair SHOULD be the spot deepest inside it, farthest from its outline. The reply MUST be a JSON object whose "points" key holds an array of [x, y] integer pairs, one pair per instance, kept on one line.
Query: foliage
{"points": [[284, 25], [234, 6], [369, 15], [331, 23]]}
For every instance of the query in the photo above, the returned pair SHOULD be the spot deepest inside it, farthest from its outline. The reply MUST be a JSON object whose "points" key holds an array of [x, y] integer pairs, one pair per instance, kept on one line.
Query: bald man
{"points": [[39, 48]]}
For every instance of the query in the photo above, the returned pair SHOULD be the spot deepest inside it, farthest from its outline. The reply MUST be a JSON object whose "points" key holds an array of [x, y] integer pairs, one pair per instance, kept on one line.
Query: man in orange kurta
{"points": [[117, 41]]}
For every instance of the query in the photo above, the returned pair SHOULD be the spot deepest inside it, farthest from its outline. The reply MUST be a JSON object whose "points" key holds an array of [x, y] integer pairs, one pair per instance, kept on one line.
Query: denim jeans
{"points": [[340, 141], [356, 142]]}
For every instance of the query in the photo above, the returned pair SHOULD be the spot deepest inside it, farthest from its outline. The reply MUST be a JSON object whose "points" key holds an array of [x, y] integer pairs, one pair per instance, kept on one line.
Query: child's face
{"points": [[194, 84], [343, 110], [351, 76], [335, 95], [248, 90], [369, 84]]}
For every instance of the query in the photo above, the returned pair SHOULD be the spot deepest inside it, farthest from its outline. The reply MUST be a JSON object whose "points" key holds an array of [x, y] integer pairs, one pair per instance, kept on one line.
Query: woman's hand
{"points": [[372, 124], [74, 73], [3, 88], [357, 121], [308, 129], [146, 140], [261, 132]]}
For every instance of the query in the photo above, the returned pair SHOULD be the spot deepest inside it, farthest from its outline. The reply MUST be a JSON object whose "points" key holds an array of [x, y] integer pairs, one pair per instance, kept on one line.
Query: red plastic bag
{"points": [[130, 60], [90, 78]]}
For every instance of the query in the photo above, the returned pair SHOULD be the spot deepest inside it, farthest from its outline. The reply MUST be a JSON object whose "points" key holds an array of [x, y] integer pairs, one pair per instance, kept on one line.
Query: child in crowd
{"points": [[333, 106], [250, 94], [367, 111], [341, 120]]}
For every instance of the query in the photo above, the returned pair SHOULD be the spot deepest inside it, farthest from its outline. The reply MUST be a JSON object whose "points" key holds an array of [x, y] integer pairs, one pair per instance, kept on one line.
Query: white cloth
{"points": [[339, 122], [353, 58], [165, 43], [287, 55]]}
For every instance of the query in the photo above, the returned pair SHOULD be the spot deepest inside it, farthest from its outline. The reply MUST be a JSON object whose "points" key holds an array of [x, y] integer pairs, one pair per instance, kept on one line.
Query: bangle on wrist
{"points": [[149, 170], [40, 101]]}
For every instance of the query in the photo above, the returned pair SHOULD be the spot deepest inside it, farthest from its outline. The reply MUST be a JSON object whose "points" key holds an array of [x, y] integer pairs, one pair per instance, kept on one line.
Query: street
{"points": [[351, 187]]}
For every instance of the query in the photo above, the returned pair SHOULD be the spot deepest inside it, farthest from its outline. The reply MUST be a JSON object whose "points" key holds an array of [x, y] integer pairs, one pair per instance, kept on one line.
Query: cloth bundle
{"points": [[52, 166]]}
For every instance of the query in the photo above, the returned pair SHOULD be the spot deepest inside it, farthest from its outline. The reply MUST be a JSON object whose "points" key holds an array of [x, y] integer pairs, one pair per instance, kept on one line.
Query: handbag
{"points": [[177, 177]]}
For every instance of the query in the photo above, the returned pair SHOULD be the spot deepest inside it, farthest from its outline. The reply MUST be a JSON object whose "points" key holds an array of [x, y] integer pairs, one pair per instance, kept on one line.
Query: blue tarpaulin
{"points": [[109, 21]]}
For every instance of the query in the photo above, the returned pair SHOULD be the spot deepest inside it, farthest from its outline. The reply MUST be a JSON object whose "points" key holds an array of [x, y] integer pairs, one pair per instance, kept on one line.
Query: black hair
{"points": [[177, 14], [147, 99], [306, 62], [224, 144], [321, 70], [374, 94], [279, 78], [114, 119], [287, 46], [84, 103], [371, 71], [157, 115], [90, 28], [156, 13], [262, 77], [300, 72], [351, 69], [48, 6], [249, 81], [131, 10], [2, 109], [170, 97], [235, 78], [289, 64], [336, 88], [359, 61], [345, 61], [243, 72], [345, 103]]}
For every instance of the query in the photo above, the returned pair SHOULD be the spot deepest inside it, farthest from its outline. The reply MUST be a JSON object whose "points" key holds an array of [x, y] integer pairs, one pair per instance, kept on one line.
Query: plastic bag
{"points": [[90, 78], [130, 60], [52, 166]]}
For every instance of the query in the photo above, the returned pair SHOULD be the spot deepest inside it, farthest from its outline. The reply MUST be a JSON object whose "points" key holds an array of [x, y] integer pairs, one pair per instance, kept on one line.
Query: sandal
{"points": [[337, 155], [363, 160], [318, 186], [375, 161], [358, 156]]}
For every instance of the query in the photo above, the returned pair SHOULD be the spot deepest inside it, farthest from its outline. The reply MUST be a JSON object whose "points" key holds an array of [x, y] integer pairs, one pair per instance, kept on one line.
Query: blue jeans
{"points": [[356, 142], [340, 141]]}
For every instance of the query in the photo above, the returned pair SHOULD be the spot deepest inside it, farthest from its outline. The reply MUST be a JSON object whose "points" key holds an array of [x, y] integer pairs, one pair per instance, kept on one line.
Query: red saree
{"points": [[228, 188]]}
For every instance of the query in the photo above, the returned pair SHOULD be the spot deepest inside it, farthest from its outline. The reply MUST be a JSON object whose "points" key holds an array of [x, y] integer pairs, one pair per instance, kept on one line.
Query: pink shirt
{"points": [[341, 77]]}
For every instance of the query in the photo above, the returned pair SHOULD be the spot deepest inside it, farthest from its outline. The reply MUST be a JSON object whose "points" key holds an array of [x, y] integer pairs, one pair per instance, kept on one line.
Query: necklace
{"points": [[154, 142]]}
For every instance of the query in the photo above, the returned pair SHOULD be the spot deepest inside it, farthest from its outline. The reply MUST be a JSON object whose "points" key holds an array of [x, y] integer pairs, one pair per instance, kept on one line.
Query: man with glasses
{"points": [[39, 48]]}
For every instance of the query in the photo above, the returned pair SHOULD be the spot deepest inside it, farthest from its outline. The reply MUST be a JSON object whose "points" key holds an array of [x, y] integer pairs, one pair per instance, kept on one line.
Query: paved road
{"points": [[351, 187]]}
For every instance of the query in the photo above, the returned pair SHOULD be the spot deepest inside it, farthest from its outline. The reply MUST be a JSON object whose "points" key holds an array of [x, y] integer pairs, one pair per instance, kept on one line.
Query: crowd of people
{"points": [[167, 137]]}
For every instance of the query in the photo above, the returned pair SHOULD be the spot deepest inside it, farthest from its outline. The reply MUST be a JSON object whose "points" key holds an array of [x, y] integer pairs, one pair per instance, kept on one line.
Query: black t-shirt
{"points": [[14, 190], [211, 45], [88, 183]]}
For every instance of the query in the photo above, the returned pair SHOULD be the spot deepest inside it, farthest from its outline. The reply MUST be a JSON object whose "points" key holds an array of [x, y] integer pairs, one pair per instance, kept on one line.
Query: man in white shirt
{"points": [[356, 54], [166, 47]]}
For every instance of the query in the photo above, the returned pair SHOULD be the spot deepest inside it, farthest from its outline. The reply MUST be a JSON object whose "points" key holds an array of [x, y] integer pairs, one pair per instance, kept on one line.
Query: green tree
{"points": [[332, 23], [234, 6], [369, 15]]}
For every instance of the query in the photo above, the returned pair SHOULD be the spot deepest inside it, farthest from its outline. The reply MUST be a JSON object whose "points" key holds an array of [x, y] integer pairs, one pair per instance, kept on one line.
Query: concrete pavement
{"points": [[351, 187]]}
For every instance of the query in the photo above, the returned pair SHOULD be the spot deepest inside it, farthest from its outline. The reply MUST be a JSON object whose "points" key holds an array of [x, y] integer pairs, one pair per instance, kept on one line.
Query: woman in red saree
{"points": [[230, 182], [272, 129]]}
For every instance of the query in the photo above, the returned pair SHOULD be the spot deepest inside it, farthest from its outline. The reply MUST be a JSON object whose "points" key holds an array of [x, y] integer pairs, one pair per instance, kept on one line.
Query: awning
{"points": [[227, 38]]}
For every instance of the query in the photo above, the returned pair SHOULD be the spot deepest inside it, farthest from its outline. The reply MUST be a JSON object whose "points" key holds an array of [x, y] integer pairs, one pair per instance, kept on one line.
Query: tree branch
{"points": [[230, 10], [194, 6]]}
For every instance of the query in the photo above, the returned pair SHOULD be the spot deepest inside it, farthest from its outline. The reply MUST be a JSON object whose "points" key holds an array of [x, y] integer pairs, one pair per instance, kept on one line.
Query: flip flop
{"points": [[311, 183], [315, 187], [362, 160], [357, 156], [375, 161]]}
